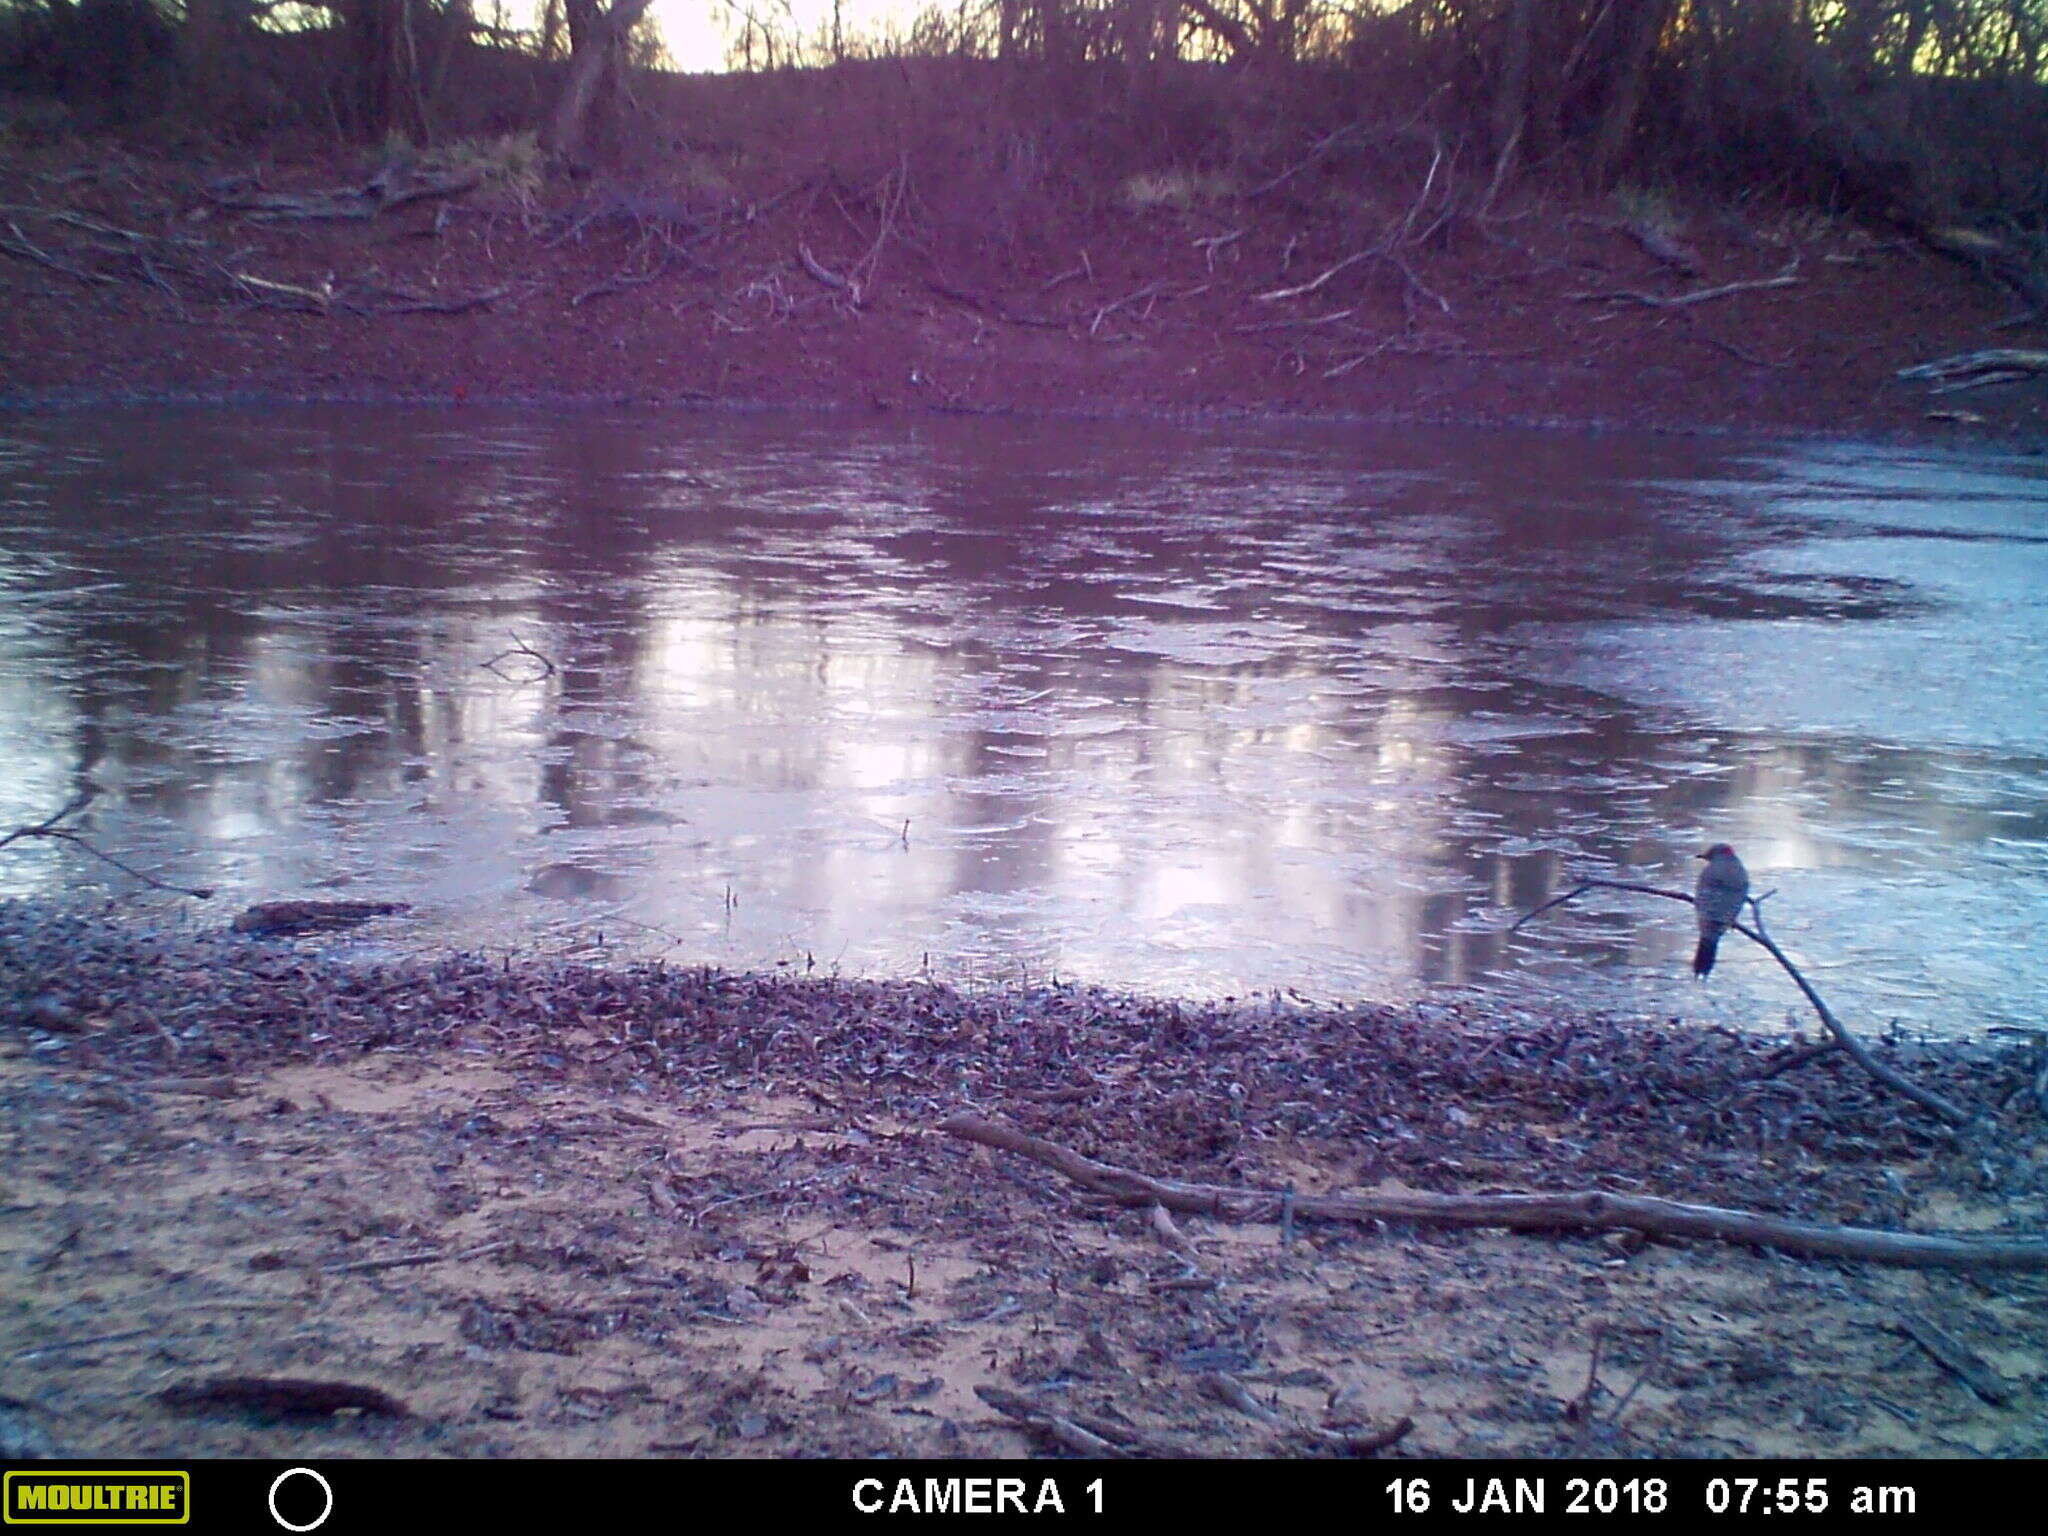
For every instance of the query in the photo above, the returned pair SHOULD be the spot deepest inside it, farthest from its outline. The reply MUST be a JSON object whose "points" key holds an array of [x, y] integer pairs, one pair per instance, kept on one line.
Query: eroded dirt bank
{"points": [[559, 1210], [153, 277]]}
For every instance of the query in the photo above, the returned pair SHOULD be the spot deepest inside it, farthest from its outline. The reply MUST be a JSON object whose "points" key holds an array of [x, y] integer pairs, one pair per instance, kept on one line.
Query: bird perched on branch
{"points": [[1718, 899]]}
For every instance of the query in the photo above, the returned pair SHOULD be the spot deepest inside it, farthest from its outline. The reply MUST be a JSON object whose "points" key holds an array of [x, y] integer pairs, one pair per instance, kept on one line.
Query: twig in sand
{"points": [[1655, 1358], [407, 1260], [1580, 1408], [1164, 1229], [67, 1344], [762, 1194], [1954, 1356], [1226, 1388]]}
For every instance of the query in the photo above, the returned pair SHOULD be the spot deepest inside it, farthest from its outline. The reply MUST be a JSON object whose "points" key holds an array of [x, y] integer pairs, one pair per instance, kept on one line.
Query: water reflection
{"points": [[1184, 710]]}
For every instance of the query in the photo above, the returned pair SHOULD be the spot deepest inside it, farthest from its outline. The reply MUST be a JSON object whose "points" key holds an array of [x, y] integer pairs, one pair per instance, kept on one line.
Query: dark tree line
{"points": [[1935, 104], [375, 67]]}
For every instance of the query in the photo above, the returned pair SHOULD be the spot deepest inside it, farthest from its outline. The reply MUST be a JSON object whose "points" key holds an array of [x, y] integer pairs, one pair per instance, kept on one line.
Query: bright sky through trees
{"points": [[699, 33]]}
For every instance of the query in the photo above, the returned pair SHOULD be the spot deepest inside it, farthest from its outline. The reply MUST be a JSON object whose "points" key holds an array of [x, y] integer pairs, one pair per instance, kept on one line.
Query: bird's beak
{"points": [[1703, 855]]}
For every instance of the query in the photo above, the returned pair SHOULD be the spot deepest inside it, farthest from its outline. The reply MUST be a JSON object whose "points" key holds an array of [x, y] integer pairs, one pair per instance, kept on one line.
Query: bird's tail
{"points": [[1703, 957]]}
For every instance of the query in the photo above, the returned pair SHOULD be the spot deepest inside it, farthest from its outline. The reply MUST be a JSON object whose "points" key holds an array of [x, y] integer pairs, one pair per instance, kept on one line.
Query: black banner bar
{"points": [[583, 1498]]}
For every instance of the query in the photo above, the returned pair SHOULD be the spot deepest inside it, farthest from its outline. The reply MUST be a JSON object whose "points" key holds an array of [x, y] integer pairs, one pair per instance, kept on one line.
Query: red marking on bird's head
{"points": [[1716, 851]]}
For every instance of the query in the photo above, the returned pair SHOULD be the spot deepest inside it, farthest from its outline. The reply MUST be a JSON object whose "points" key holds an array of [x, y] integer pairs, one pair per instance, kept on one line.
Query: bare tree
{"points": [[597, 50]]}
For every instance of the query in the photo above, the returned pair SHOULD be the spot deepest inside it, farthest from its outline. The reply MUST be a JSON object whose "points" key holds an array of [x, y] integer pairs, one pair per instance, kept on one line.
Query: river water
{"points": [[1200, 710]]}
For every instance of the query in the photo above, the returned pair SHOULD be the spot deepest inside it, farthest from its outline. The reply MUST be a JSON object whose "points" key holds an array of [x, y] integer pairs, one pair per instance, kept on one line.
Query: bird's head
{"points": [[1718, 851]]}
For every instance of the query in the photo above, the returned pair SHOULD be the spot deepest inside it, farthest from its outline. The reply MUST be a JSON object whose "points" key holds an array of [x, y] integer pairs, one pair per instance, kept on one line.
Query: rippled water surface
{"points": [[1185, 710]]}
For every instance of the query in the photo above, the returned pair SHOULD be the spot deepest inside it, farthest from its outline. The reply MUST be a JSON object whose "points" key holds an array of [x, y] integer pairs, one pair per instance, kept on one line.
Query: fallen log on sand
{"points": [[1570, 1211]]}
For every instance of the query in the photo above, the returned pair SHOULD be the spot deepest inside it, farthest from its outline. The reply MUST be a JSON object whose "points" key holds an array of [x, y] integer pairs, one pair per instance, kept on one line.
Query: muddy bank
{"points": [[148, 277], [558, 1210]]}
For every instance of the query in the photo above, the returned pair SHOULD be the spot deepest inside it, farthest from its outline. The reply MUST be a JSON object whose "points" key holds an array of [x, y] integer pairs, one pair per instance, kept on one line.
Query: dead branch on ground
{"points": [[27, 250], [1295, 292], [1149, 296], [983, 304], [1209, 245], [378, 195], [1571, 1211], [411, 1260], [398, 301], [1401, 232], [1957, 1358], [48, 828], [826, 276], [895, 190], [1227, 1389], [186, 269], [1095, 1438], [2020, 268], [1580, 1408], [1785, 279], [1925, 1098]]}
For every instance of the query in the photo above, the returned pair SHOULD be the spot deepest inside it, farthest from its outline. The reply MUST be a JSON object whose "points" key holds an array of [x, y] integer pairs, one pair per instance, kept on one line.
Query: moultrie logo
{"points": [[97, 1498]]}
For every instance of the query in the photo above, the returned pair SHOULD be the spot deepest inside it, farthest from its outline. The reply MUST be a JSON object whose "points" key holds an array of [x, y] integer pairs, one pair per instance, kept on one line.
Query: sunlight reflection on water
{"points": [[1185, 710]]}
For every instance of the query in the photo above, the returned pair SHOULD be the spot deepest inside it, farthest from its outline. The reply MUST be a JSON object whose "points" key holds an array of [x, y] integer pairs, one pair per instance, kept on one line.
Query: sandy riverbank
{"points": [[677, 1212]]}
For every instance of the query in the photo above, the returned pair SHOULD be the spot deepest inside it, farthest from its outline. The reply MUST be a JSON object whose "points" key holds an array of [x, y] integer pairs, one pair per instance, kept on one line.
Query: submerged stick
{"points": [[48, 828], [1926, 1098], [1572, 1211]]}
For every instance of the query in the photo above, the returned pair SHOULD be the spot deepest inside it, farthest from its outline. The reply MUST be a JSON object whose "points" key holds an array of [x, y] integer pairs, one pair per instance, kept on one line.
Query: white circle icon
{"points": [[318, 1520]]}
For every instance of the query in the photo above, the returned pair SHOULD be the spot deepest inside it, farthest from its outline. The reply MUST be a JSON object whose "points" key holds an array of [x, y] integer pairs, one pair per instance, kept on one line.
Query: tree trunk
{"points": [[387, 88], [598, 41], [1625, 93], [1511, 99]]}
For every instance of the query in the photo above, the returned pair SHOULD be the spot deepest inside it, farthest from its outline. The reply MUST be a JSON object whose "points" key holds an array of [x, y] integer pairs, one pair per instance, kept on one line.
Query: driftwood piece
{"points": [[1926, 1098], [1952, 1355], [1569, 1211], [269, 918], [279, 1394]]}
